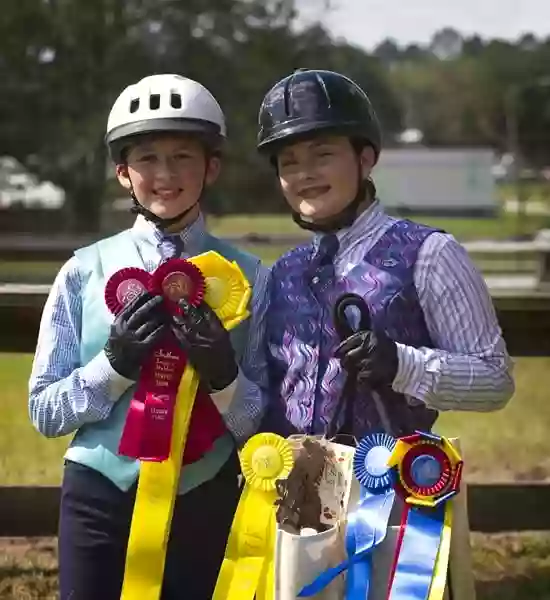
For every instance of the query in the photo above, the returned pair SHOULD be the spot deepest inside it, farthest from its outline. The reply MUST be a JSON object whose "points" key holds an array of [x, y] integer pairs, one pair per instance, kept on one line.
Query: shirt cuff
{"points": [[99, 373], [417, 372], [223, 398]]}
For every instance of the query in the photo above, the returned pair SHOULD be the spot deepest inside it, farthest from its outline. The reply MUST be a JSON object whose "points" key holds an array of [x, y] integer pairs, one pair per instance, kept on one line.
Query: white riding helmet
{"points": [[164, 103]]}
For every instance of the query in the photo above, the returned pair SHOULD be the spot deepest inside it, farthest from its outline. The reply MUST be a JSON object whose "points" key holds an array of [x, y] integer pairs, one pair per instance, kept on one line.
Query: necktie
{"points": [[171, 246], [328, 247], [322, 277]]}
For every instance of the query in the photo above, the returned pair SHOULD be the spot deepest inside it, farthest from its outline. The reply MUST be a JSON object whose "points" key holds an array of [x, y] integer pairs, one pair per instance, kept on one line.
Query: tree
{"points": [[64, 62], [55, 111], [464, 99]]}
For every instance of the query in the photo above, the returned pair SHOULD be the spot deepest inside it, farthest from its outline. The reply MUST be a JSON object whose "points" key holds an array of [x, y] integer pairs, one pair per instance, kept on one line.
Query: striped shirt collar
{"points": [[192, 235], [365, 225]]}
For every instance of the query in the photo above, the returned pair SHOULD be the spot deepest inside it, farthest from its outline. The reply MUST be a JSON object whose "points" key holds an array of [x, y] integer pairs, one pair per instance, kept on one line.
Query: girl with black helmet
{"points": [[164, 134], [433, 342]]}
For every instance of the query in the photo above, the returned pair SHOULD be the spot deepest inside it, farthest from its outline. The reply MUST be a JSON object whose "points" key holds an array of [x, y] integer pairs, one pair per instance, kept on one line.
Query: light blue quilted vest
{"points": [[96, 444]]}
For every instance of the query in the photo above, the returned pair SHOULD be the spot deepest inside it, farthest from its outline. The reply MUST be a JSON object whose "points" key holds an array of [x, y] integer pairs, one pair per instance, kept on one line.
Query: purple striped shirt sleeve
{"points": [[469, 368]]}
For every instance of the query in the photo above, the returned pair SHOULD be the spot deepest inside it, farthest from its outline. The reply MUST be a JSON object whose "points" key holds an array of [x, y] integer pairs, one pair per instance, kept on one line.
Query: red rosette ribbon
{"points": [[125, 286], [147, 431], [178, 278]]}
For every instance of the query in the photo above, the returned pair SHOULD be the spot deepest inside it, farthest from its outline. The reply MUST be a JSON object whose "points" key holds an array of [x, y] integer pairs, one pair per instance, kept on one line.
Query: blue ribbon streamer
{"points": [[368, 524], [367, 528], [418, 554]]}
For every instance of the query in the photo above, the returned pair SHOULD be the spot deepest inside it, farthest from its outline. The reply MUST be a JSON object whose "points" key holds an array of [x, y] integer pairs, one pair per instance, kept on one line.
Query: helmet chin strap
{"points": [[341, 220], [161, 223]]}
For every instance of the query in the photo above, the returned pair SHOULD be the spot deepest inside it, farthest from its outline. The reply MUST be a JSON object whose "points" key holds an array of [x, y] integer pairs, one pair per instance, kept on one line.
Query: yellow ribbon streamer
{"points": [[227, 293], [152, 516], [439, 580], [247, 570]]}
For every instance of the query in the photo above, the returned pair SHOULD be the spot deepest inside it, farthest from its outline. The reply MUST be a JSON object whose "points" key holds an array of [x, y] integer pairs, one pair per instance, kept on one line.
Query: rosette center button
{"points": [[425, 470], [177, 286], [376, 461], [267, 462]]}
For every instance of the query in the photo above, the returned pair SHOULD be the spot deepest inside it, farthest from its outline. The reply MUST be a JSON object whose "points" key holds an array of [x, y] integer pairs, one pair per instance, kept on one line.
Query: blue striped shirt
{"points": [[64, 395]]}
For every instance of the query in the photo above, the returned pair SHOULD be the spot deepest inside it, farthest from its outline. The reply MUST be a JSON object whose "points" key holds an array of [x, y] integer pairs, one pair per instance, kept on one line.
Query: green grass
{"points": [[490, 441], [26, 457], [511, 444]]}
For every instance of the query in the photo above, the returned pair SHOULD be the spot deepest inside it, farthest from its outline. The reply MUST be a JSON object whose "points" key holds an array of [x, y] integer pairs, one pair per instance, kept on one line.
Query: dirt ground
{"points": [[28, 569], [508, 567]]}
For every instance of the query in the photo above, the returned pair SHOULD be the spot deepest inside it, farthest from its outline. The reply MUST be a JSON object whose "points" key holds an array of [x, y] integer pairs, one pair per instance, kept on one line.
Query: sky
{"points": [[365, 23]]}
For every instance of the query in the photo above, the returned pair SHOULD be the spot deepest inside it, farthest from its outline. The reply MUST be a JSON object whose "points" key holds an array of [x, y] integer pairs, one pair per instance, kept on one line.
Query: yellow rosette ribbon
{"points": [[247, 570], [227, 292]]}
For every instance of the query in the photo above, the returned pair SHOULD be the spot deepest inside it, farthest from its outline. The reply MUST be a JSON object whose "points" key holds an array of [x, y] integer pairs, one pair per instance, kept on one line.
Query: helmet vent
{"points": [[134, 105], [175, 100], [154, 101], [286, 96], [322, 85]]}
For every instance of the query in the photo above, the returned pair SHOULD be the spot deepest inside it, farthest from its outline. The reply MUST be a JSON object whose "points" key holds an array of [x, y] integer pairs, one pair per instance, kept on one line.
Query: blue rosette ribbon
{"points": [[368, 523]]}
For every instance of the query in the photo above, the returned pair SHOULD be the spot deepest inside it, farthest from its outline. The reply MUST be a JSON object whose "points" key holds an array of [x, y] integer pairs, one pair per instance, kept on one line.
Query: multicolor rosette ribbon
{"points": [[426, 469], [159, 414], [247, 571], [368, 523]]}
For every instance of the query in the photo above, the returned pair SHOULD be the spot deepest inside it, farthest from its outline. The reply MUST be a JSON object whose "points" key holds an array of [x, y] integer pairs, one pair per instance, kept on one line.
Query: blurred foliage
{"points": [[63, 62]]}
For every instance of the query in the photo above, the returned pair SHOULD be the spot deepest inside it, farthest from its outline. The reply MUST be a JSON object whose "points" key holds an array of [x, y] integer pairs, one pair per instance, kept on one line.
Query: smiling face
{"points": [[319, 176], [167, 173]]}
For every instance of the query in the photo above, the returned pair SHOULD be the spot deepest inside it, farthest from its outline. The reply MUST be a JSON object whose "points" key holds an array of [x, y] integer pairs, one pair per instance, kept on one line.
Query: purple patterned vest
{"points": [[306, 382]]}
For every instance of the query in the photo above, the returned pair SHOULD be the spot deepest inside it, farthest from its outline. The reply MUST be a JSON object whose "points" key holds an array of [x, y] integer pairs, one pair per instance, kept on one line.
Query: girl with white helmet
{"points": [[165, 135], [167, 104]]}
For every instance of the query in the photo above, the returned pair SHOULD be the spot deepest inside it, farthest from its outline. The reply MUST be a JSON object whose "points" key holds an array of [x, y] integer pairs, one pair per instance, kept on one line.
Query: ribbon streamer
{"points": [[426, 470], [419, 549], [368, 524], [154, 505], [158, 481], [247, 571], [147, 432], [439, 581]]}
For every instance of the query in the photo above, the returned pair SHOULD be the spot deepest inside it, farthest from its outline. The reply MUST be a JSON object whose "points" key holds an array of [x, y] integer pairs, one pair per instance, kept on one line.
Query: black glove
{"points": [[134, 332], [371, 356], [207, 344]]}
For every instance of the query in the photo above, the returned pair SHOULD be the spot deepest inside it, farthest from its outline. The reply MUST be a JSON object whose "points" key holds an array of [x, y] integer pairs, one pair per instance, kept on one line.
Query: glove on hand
{"points": [[371, 356], [206, 343], [134, 333]]}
